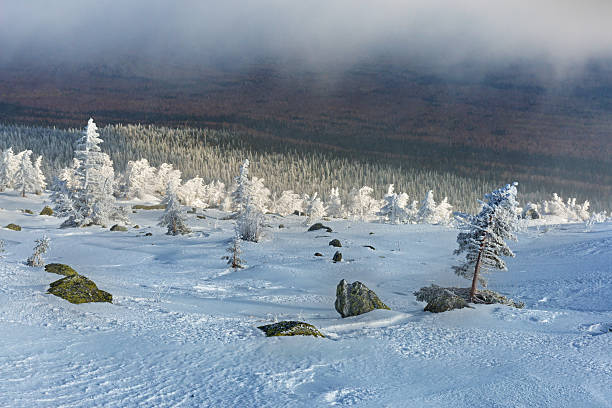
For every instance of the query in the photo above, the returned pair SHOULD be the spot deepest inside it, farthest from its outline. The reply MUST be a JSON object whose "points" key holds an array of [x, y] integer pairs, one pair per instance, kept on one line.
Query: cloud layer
{"points": [[316, 31]]}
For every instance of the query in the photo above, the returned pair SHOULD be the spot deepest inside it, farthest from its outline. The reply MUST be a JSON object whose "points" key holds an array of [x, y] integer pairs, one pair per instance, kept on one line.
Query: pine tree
{"points": [[243, 187], [39, 177], [167, 174], [235, 251], [444, 212], [61, 197], [362, 205], [42, 245], [315, 209], [25, 177], [288, 203], [427, 211], [484, 239], [250, 222], [173, 217], [393, 208], [140, 179], [335, 208], [7, 169]]}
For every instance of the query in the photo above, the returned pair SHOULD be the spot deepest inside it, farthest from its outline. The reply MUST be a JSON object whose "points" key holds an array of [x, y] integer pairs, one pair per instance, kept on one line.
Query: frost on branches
{"points": [[18, 172], [42, 246], [393, 209], [173, 218], [483, 240], [288, 203], [335, 208], [93, 185], [315, 210], [362, 205]]}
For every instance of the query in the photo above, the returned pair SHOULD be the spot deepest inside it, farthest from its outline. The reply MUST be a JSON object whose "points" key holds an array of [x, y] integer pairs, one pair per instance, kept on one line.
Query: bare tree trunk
{"points": [[477, 268]]}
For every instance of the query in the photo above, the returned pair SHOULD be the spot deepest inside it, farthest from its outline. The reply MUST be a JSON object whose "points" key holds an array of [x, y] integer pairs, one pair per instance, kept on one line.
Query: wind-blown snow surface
{"points": [[182, 327]]}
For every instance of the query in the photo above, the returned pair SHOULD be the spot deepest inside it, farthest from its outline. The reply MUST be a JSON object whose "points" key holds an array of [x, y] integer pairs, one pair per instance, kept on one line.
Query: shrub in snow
{"points": [[596, 218], [335, 208], [42, 245], [314, 208], [362, 205], [483, 240], [173, 218], [288, 203], [567, 210], [250, 223], [193, 193], [531, 212], [235, 251]]}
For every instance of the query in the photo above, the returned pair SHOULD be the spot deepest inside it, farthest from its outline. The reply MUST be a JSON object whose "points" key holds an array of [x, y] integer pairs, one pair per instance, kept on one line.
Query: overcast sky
{"points": [[564, 32]]}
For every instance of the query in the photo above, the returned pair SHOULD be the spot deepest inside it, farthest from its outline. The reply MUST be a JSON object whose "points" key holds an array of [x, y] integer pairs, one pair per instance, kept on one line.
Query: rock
{"points": [[136, 226], [148, 234], [46, 211], [60, 269], [149, 207], [430, 293], [201, 217], [371, 233], [318, 254], [335, 243], [318, 226], [296, 212], [28, 211], [281, 226], [370, 246], [290, 328], [353, 299], [118, 227], [13, 227], [337, 257], [444, 302], [78, 289]]}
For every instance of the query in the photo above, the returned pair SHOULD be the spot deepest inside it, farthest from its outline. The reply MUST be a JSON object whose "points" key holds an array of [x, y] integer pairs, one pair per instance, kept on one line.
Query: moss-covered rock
{"points": [[353, 299], [13, 227], [318, 226], [46, 211], [60, 269], [444, 302], [78, 289], [335, 243], [290, 328], [149, 207], [485, 296], [27, 211], [118, 227]]}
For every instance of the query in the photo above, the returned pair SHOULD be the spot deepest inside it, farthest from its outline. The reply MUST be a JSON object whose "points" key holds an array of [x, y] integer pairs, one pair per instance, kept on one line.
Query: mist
{"points": [[566, 34]]}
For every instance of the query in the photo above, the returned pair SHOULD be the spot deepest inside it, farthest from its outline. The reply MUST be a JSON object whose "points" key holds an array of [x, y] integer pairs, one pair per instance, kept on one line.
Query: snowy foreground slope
{"points": [[182, 327]]}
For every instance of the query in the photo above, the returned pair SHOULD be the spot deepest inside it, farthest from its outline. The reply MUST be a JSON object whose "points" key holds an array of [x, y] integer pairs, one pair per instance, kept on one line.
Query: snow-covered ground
{"points": [[182, 327]]}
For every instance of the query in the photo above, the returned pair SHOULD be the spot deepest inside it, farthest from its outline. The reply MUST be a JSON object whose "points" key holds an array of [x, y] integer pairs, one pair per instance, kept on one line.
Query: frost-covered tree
{"points": [[288, 203], [568, 210], [94, 184], [2, 245], [315, 209], [427, 210], [335, 208], [250, 222], [485, 235], [235, 251], [167, 174], [444, 212], [193, 193], [393, 209], [39, 177], [215, 193], [140, 179], [259, 194], [68, 174], [242, 191], [173, 217], [362, 205], [8, 167], [25, 177], [42, 245], [61, 197]]}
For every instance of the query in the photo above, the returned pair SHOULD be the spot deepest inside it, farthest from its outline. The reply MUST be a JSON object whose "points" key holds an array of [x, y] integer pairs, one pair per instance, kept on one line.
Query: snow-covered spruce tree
{"points": [[444, 212], [140, 179], [61, 197], [427, 210], [287, 203], [68, 174], [315, 209], [235, 251], [362, 205], [215, 193], [243, 187], [173, 217], [8, 167], [25, 177], [39, 177], [393, 208], [483, 241], [42, 245], [94, 179], [567, 211], [259, 194], [250, 222], [167, 174], [335, 208], [193, 193]]}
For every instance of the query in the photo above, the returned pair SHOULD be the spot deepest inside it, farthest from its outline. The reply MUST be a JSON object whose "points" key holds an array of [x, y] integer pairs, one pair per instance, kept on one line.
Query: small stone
{"points": [[13, 227], [290, 328], [28, 211], [370, 246], [118, 227], [371, 233], [335, 243], [353, 299], [148, 234], [318, 254], [337, 257], [46, 211], [60, 269], [201, 217], [281, 226]]}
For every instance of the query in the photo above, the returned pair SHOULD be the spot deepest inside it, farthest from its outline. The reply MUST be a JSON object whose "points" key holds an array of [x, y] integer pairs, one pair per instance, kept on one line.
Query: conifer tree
{"points": [[483, 241], [393, 208], [235, 251], [335, 208], [173, 217], [39, 178], [42, 245], [25, 178], [315, 209]]}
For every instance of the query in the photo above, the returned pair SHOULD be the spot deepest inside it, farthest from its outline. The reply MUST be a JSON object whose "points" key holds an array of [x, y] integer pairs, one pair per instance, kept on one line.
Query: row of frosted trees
{"points": [[18, 172]]}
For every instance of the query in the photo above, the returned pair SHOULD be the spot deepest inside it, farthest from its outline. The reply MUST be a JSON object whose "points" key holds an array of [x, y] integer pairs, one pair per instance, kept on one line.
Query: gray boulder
{"points": [[335, 243], [318, 226], [444, 302], [441, 299], [353, 299], [337, 257]]}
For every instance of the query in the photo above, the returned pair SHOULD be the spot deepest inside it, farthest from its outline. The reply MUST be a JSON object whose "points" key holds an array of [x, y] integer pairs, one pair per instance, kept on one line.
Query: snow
{"points": [[182, 329]]}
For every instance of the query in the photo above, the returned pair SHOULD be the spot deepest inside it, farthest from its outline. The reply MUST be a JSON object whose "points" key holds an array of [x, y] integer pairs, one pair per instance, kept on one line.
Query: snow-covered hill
{"points": [[182, 327]]}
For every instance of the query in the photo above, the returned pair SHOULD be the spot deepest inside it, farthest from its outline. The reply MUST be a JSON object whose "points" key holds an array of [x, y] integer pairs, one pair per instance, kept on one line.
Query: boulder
{"points": [[318, 254], [318, 226], [60, 269], [46, 211], [353, 299], [485, 296], [78, 289], [290, 328], [118, 227], [337, 257], [444, 302], [13, 227], [335, 243]]}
